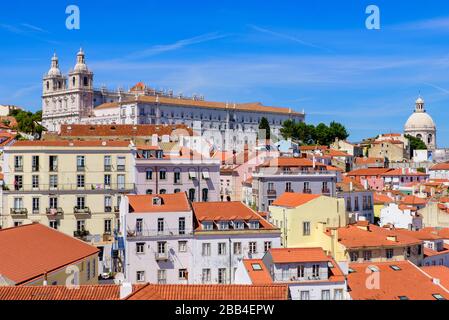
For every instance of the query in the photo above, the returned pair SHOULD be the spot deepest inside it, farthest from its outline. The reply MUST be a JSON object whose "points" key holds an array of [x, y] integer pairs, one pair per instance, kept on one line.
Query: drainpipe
{"points": [[230, 261]]}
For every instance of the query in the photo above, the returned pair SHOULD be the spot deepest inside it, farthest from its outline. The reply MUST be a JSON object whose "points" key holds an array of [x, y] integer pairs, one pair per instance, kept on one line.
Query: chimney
{"points": [[45, 282], [125, 290], [154, 140], [351, 187]]}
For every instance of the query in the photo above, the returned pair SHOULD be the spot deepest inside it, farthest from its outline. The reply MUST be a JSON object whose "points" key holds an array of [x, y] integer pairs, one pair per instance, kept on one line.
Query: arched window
{"points": [[48, 85], [429, 138], [419, 136], [86, 81], [149, 174], [177, 175], [177, 190], [163, 191], [73, 81], [149, 191]]}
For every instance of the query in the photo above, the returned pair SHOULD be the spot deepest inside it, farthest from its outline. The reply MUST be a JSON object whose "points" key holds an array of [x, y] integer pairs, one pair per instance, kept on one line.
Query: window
{"points": [[18, 183], [222, 275], [18, 163], [288, 187], [325, 294], [53, 203], [254, 225], [163, 174], [206, 249], [301, 271], [88, 270], [306, 228], [182, 274], [149, 191], [182, 226], [367, 255], [160, 225], [438, 296], [80, 202], [35, 163], [161, 247], [140, 276], [121, 182], [162, 276], [80, 225], [221, 248], [205, 195], [356, 204], [107, 180], [315, 270], [53, 182], [305, 295], [237, 248], [149, 174], [36, 205], [253, 247], [107, 226], [267, 246], [192, 195], [162, 191], [338, 294], [354, 256], [389, 253], [80, 163], [80, 181], [107, 163], [35, 182], [182, 246], [177, 191], [140, 247], [177, 176], [53, 163], [139, 225], [54, 224], [206, 276], [121, 163]]}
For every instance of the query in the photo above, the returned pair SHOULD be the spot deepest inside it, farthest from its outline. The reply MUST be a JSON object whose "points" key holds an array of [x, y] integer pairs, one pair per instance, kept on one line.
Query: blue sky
{"points": [[311, 55]]}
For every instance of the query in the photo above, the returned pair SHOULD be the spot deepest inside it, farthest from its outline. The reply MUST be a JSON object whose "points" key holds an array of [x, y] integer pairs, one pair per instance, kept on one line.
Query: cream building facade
{"points": [[74, 187]]}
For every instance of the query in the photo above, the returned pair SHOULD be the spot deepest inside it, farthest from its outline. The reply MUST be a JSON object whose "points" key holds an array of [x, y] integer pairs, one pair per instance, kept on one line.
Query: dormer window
{"points": [[223, 225], [254, 224], [208, 226], [239, 225], [157, 201]]}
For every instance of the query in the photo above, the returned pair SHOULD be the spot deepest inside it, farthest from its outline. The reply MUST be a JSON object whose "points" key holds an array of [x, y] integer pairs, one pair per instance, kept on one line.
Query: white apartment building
{"points": [[309, 273], [169, 240]]}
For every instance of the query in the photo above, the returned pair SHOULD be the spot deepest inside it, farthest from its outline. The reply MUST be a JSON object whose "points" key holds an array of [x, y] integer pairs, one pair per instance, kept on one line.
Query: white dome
{"points": [[419, 121], [81, 62], [54, 70]]}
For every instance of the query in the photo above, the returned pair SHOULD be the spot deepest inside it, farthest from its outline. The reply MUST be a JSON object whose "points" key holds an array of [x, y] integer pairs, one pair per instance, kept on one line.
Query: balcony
{"points": [[107, 168], [158, 234], [81, 234], [81, 210], [121, 168], [54, 212], [161, 256], [107, 209], [307, 191], [80, 168], [325, 191], [98, 188], [35, 168], [19, 213], [272, 192], [53, 168], [18, 169]]}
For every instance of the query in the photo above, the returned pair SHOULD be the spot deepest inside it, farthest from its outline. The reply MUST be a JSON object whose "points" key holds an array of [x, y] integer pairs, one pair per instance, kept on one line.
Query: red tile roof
{"points": [[356, 236], [30, 251], [227, 211], [380, 198], [260, 275], [442, 232], [122, 130], [413, 200], [399, 172], [363, 161], [438, 272], [212, 292], [440, 166], [409, 281], [177, 202], [293, 200], [369, 172], [298, 255], [103, 292]]}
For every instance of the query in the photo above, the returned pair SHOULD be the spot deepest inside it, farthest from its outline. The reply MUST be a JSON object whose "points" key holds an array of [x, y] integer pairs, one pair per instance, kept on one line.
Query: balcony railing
{"points": [[81, 234], [108, 209], [81, 210], [326, 191], [122, 187], [19, 212], [107, 168], [294, 277], [308, 191], [121, 168], [54, 212], [271, 192], [116, 209], [156, 234], [80, 168], [53, 168], [35, 168], [18, 169], [161, 256]]}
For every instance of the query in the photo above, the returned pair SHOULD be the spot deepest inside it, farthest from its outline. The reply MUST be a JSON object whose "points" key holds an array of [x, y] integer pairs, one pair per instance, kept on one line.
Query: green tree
{"points": [[28, 122], [288, 130], [322, 134], [265, 125], [337, 130], [415, 144]]}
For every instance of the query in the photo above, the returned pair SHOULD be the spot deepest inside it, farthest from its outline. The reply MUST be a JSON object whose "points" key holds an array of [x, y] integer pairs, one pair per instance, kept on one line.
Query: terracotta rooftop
{"points": [[368, 161], [212, 292], [442, 232], [227, 211], [438, 272], [123, 130], [409, 282], [400, 172], [291, 162], [413, 200], [177, 202], [257, 271], [298, 255], [362, 236], [440, 166], [30, 251], [369, 172], [293, 200]]}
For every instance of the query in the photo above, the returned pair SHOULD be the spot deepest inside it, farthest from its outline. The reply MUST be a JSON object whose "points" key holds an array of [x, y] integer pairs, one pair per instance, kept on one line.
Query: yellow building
{"points": [[299, 216], [74, 187], [38, 255]]}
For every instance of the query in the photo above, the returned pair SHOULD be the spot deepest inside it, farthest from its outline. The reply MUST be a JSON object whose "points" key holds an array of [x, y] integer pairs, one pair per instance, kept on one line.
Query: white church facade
{"points": [[421, 125], [72, 99]]}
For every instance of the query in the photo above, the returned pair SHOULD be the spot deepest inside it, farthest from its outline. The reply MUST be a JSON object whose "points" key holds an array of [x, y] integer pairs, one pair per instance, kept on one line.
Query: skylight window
{"points": [[403, 298], [395, 268], [373, 268], [438, 296], [256, 266]]}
